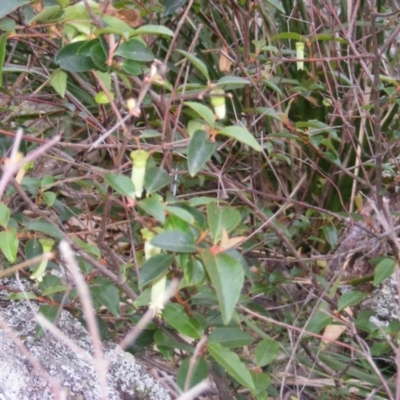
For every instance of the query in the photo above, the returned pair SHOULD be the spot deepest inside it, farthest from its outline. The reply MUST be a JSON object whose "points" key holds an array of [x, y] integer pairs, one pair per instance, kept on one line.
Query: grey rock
{"points": [[72, 375]]}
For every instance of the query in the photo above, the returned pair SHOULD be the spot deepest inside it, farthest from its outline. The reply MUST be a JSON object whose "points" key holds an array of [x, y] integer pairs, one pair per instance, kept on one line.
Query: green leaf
{"points": [[134, 50], [4, 215], [106, 293], [286, 35], [176, 316], [155, 179], [154, 268], [203, 111], [48, 14], [181, 213], [230, 337], [318, 322], [178, 241], [7, 7], [153, 206], [9, 244], [49, 198], [162, 339], [33, 248], [266, 352], [101, 98], [134, 68], [384, 269], [241, 135], [330, 234], [349, 299], [69, 59], [88, 247], [232, 82], [121, 184], [58, 82], [227, 277], [200, 151], [153, 30], [199, 372], [232, 363], [50, 313], [172, 5], [45, 227], [221, 217], [99, 57], [196, 62], [3, 43]]}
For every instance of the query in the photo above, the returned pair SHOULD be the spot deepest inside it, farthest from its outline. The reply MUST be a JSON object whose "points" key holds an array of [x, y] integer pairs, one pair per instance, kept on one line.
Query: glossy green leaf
{"points": [[178, 241], [196, 62], [58, 82], [176, 316], [241, 135], [172, 5], [330, 234], [200, 151], [199, 372], [221, 217], [261, 381], [69, 59], [47, 15], [99, 57], [3, 43], [349, 299], [89, 247], [232, 82], [153, 30], [106, 293], [134, 50], [153, 206], [154, 268], [232, 364], [384, 269], [40, 225], [155, 179], [203, 111], [33, 248], [227, 277], [230, 337], [49, 198], [4, 215], [181, 213], [134, 68], [162, 339], [9, 244], [266, 352], [121, 184], [7, 7], [318, 322]]}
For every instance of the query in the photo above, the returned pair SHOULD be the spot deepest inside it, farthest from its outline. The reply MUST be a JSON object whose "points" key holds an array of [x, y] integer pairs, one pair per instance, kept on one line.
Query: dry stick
{"points": [[27, 263], [192, 361], [87, 306], [195, 390], [53, 382]]}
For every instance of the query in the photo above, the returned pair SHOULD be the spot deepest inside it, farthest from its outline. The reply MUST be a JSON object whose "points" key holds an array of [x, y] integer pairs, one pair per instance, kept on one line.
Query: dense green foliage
{"points": [[184, 142]]}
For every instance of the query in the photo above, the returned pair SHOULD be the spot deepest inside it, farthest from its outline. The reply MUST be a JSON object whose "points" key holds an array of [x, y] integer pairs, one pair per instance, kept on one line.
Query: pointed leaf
{"points": [[384, 269], [58, 81], [199, 372], [266, 352], [200, 151], [196, 62], [153, 206], [176, 316], [241, 135], [232, 363], [153, 30], [69, 59], [121, 184], [232, 82], [181, 213], [134, 50], [7, 7], [227, 277], [154, 268], [349, 299], [178, 241], [106, 293], [4, 215], [3, 43], [9, 244], [220, 218], [203, 111], [45, 227], [230, 337], [155, 179], [318, 322]]}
